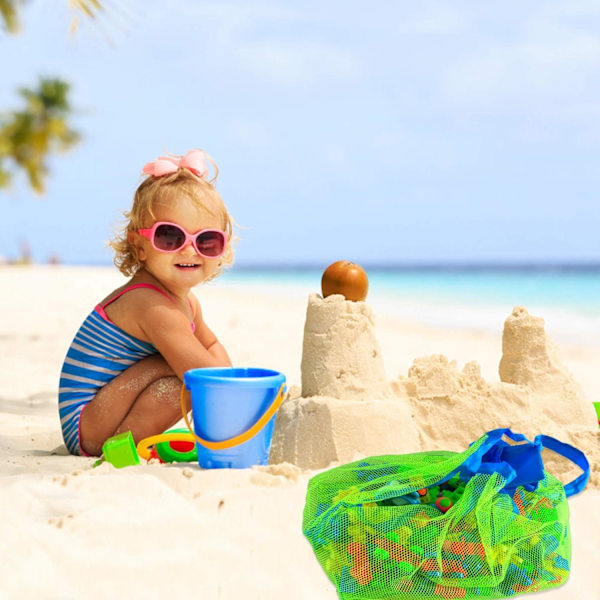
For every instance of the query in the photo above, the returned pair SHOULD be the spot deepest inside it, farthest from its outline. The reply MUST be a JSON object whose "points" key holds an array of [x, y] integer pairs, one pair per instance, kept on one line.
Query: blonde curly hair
{"points": [[154, 190]]}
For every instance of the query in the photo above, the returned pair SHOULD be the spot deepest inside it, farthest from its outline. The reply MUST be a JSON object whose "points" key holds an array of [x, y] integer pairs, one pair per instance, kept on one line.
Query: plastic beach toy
{"points": [[166, 447], [183, 450], [237, 405], [176, 445], [120, 451], [234, 414]]}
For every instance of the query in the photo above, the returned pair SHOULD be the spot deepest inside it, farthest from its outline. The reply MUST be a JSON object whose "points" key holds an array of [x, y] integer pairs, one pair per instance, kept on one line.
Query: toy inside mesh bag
{"points": [[485, 523]]}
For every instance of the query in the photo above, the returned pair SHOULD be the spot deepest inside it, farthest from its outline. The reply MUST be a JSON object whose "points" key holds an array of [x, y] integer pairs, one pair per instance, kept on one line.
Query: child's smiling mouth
{"points": [[187, 266]]}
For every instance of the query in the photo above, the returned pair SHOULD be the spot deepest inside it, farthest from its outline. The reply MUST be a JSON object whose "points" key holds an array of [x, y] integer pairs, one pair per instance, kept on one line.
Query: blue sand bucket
{"points": [[231, 402]]}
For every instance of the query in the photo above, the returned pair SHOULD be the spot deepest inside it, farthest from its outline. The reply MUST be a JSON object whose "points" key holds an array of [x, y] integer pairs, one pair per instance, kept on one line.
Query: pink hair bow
{"points": [[193, 160]]}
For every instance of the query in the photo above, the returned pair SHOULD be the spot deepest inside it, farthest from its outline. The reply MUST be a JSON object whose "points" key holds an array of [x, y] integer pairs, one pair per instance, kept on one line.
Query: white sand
{"points": [[70, 531]]}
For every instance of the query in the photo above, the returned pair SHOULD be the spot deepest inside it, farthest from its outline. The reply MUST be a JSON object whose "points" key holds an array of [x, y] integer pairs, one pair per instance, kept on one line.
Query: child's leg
{"points": [[144, 399]]}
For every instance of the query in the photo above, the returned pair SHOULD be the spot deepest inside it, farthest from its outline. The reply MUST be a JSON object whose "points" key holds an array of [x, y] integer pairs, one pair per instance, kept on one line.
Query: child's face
{"points": [[168, 267]]}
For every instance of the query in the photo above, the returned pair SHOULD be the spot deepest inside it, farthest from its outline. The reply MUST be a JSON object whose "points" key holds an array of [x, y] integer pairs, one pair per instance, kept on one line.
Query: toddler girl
{"points": [[124, 368]]}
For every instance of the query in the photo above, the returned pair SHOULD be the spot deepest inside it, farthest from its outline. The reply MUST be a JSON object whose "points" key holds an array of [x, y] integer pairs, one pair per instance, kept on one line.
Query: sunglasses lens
{"points": [[210, 243], [168, 237]]}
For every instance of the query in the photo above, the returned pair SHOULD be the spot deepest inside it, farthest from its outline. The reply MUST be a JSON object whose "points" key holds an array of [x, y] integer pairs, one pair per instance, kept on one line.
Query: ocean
{"points": [[463, 297]]}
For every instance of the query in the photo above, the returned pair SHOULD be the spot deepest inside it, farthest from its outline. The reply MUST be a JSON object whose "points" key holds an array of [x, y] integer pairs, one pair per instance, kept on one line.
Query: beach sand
{"points": [[71, 531]]}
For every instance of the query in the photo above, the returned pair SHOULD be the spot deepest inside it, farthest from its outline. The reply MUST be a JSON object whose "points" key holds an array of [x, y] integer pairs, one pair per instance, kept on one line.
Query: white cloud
{"points": [[549, 72]]}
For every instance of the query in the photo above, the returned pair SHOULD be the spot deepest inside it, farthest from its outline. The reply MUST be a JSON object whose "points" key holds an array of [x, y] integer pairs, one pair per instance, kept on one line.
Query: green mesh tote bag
{"points": [[489, 522]]}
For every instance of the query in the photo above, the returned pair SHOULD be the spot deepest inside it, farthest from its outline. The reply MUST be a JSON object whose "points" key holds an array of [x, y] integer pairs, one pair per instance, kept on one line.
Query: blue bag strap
{"points": [[491, 439], [491, 451], [572, 454]]}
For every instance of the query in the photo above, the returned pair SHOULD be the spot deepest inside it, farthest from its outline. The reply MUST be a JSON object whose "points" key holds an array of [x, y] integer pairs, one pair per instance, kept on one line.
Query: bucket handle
{"points": [[242, 437]]}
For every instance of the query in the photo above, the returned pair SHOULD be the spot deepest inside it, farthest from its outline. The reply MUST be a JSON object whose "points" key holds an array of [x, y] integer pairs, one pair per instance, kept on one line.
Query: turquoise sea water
{"points": [[473, 297]]}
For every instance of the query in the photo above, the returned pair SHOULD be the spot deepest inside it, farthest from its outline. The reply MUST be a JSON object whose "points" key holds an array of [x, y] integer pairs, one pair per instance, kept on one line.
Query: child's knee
{"points": [[167, 391], [158, 366]]}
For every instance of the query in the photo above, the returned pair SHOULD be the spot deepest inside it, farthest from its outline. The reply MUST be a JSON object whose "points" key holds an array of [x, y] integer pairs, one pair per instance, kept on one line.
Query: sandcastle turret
{"points": [[536, 392], [347, 408], [341, 357], [530, 358]]}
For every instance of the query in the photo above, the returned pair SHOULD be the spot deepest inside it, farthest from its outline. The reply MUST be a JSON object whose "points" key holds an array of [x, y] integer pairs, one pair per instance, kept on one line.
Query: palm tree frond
{"points": [[8, 10], [88, 7], [29, 135], [5, 177]]}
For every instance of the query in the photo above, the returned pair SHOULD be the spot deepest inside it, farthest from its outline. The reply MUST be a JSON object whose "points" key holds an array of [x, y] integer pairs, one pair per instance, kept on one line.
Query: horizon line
{"points": [[464, 265]]}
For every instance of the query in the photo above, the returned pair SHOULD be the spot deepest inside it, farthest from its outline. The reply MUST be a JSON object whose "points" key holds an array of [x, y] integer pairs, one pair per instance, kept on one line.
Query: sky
{"points": [[391, 132]]}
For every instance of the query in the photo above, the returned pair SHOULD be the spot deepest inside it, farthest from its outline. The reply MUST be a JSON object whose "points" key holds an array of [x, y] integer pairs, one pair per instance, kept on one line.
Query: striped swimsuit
{"points": [[99, 352]]}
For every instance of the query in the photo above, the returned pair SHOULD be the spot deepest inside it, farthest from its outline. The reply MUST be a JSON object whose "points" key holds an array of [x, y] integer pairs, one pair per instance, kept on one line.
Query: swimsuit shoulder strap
{"points": [[133, 287], [101, 307]]}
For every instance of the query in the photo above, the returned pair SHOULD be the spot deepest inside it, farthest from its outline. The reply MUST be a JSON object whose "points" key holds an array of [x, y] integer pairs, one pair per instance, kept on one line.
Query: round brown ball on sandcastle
{"points": [[347, 409]]}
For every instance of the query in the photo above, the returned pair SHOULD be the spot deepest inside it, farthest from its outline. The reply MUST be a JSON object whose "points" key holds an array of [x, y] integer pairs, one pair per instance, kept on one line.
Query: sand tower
{"points": [[347, 408], [341, 357]]}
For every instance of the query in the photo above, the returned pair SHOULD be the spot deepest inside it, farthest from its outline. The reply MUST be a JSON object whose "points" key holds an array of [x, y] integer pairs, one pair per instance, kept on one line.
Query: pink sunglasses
{"points": [[169, 237]]}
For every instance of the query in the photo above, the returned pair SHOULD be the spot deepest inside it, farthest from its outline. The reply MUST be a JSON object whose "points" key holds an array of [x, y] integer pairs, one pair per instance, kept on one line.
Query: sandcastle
{"points": [[347, 409]]}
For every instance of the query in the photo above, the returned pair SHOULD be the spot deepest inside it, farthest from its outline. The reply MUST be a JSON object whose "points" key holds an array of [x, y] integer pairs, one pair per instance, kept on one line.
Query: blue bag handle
{"points": [[521, 465], [574, 455]]}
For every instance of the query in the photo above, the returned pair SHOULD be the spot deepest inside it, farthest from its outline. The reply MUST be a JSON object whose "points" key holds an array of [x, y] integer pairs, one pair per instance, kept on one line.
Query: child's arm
{"points": [[218, 351], [169, 331]]}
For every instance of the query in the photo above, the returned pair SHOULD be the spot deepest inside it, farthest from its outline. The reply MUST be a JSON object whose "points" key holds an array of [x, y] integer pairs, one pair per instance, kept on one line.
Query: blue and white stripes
{"points": [[99, 352]]}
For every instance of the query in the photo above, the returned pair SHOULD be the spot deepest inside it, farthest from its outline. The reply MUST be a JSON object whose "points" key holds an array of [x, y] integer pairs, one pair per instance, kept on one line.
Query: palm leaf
{"points": [[29, 135], [107, 16], [8, 10], [88, 7]]}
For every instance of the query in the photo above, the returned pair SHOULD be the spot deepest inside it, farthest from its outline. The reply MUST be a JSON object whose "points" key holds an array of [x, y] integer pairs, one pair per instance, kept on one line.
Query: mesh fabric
{"points": [[377, 532]]}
